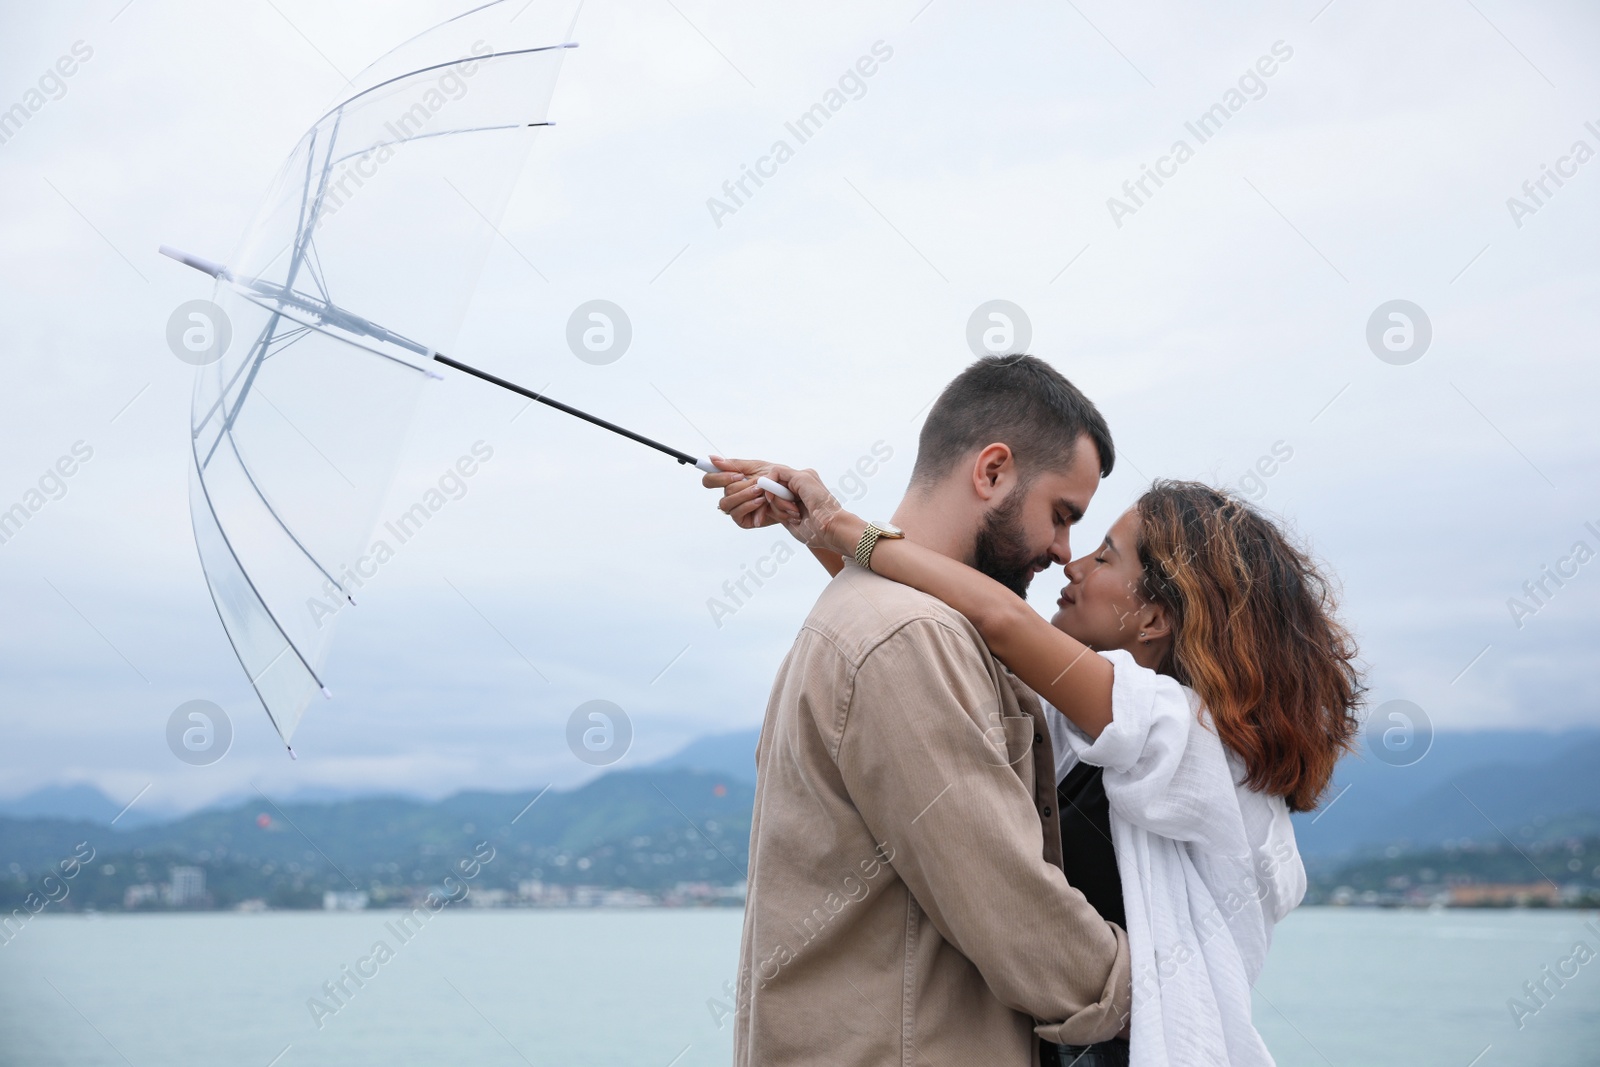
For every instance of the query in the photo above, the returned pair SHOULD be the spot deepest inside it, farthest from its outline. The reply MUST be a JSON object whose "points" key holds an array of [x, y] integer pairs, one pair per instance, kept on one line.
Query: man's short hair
{"points": [[1019, 401]]}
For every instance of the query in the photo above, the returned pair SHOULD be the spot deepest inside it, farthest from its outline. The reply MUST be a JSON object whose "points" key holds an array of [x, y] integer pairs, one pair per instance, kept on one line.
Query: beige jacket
{"points": [[906, 902]]}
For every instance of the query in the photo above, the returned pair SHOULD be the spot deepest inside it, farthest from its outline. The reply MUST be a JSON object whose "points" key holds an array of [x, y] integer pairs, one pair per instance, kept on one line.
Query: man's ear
{"points": [[993, 469]]}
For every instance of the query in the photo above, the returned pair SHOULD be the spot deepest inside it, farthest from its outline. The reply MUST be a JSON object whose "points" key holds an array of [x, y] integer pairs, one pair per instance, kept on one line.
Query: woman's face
{"points": [[1101, 604]]}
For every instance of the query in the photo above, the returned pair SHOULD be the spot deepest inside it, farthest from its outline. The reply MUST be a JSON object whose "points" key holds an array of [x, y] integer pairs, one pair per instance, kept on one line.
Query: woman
{"points": [[1224, 692]]}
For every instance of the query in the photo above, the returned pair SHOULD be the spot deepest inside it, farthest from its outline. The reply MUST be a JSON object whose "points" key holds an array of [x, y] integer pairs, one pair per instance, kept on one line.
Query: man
{"points": [[906, 900]]}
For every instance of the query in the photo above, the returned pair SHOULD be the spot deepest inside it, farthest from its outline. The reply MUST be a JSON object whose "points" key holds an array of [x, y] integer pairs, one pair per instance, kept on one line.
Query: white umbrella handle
{"points": [[764, 482], [774, 488]]}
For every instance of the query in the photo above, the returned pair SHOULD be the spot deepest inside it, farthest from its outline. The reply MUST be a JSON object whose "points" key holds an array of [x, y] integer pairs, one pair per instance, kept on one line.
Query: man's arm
{"points": [[924, 754]]}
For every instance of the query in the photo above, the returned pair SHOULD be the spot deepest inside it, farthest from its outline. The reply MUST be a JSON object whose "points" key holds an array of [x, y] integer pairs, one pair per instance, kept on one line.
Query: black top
{"points": [[1087, 856]]}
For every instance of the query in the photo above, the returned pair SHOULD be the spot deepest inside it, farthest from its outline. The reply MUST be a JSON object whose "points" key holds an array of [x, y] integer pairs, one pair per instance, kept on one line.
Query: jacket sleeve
{"points": [[927, 755]]}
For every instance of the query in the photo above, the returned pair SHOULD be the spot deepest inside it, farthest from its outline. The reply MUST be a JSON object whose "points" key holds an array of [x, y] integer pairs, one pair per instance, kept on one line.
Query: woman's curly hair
{"points": [[1254, 634]]}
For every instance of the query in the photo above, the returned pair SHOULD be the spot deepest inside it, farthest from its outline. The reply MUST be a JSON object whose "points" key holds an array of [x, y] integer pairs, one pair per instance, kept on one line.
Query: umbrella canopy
{"points": [[387, 205], [359, 265]]}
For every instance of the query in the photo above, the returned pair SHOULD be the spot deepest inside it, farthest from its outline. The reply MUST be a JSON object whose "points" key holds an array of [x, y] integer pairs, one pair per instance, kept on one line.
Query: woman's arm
{"points": [[832, 562], [1062, 670], [1059, 668]]}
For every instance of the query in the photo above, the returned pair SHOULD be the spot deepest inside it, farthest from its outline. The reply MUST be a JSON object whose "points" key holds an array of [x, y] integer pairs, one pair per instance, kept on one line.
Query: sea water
{"points": [[653, 987]]}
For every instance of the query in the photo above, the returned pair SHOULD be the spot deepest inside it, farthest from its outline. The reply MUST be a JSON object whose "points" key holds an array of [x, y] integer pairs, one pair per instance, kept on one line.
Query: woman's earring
{"points": [[1141, 633]]}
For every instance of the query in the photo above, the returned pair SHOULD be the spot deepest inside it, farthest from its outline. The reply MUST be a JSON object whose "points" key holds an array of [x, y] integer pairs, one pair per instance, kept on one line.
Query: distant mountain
{"points": [[642, 829], [82, 801], [1533, 786], [687, 817], [28, 845], [1523, 801], [732, 754], [63, 802]]}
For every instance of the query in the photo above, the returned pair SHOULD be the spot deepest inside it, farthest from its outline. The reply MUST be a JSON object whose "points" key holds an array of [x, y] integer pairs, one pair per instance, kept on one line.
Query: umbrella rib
{"points": [[278, 314], [205, 491], [258, 353], [229, 634], [439, 66], [286, 341], [251, 478], [308, 221], [439, 133], [318, 275], [307, 224], [221, 397], [235, 646]]}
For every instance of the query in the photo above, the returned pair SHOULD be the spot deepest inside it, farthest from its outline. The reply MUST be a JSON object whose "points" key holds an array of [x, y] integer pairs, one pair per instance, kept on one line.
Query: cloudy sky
{"points": [[1220, 318]]}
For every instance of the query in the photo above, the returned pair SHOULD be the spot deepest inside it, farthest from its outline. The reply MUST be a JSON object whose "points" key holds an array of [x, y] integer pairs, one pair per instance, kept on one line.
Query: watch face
{"points": [[890, 529]]}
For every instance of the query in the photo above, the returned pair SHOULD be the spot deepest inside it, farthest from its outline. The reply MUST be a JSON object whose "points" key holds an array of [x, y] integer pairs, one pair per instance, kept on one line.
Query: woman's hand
{"points": [[815, 518], [742, 500]]}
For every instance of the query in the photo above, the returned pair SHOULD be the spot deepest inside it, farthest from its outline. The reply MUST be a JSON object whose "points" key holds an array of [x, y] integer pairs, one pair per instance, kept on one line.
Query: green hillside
{"points": [[645, 830]]}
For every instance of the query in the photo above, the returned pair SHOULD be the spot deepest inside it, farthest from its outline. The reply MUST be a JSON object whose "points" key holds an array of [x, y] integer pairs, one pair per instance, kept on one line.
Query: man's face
{"points": [[1030, 527]]}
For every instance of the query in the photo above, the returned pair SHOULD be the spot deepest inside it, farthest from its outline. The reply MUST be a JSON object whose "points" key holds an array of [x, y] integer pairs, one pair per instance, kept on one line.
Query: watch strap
{"points": [[868, 542]]}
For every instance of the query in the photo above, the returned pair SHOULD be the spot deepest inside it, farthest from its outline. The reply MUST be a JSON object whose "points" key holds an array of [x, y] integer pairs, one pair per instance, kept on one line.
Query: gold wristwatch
{"points": [[869, 540]]}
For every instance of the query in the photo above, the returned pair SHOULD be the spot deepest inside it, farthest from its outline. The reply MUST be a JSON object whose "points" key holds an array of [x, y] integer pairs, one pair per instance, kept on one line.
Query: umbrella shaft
{"points": [[681, 457]]}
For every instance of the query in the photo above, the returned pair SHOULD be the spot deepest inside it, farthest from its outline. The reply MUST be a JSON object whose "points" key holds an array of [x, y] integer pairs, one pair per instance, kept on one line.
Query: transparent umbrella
{"points": [[356, 270]]}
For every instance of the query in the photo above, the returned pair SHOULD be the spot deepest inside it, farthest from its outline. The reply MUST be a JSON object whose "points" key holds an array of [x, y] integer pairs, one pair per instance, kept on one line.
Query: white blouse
{"points": [[1208, 868]]}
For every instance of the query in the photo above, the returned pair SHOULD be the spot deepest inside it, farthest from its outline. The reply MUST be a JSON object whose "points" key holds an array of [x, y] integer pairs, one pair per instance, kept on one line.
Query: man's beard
{"points": [[1002, 549]]}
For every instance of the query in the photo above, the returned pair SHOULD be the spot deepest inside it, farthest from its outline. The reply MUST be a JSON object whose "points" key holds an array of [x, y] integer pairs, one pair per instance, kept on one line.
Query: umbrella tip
{"points": [[291, 752], [570, 44], [205, 266], [327, 695]]}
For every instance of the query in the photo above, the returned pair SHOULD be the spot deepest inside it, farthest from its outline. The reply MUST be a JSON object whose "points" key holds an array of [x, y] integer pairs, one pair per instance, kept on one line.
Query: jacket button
{"points": [[1046, 811], [1037, 739]]}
